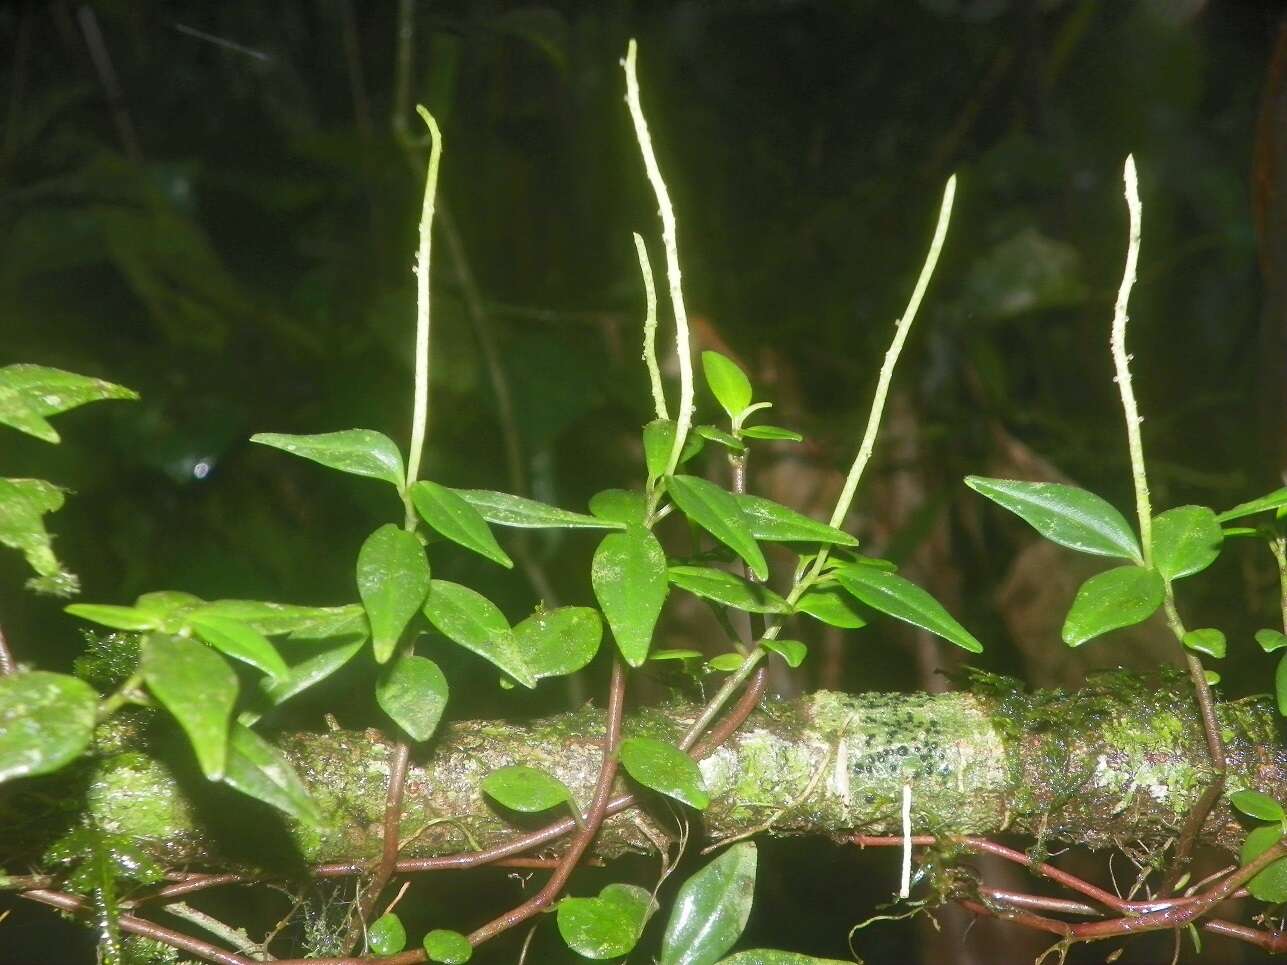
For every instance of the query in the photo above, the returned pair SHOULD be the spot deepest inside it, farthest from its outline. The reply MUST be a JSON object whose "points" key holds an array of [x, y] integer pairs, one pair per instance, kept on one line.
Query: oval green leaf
{"points": [[194, 684], [1271, 884], [764, 956], [1257, 805], [362, 452], [413, 692], [629, 579], [46, 721], [831, 606], [665, 768], [387, 936], [392, 580], [447, 947], [776, 433], [608, 926], [1207, 640], [726, 662], [1186, 540], [554, 643], [450, 515], [258, 769], [116, 617], [718, 435], [1280, 685], [1258, 841], [781, 524], [28, 393], [517, 511], [792, 651], [623, 506], [240, 642], [726, 588], [711, 909], [1271, 640], [1063, 514], [1117, 598], [716, 511], [904, 600], [728, 383], [474, 622], [527, 789], [1275, 500]]}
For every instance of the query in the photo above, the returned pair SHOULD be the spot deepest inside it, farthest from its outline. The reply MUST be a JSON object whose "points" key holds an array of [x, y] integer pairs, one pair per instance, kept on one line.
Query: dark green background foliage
{"points": [[232, 237]]}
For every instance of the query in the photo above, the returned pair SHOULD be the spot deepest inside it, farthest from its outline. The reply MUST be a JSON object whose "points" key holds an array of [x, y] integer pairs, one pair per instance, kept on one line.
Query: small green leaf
{"points": [[776, 433], [726, 662], [392, 580], [1186, 540], [665, 768], [258, 769], [620, 506], [726, 588], [1271, 884], [675, 655], [301, 622], [658, 440], [1258, 841], [719, 436], [526, 789], [1271, 640], [449, 514], [387, 936], [558, 642], [46, 721], [1280, 685], [194, 684], [413, 692], [116, 617], [473, 621], [310, 671], [716, 511], [23, 504], [1211, 677], [711, 909], [1208, 640], [362, 452], [608, 926], [242, 643], [764, 956], [729, 384], [1116, 598], [1065, 515], [447, 947], [831, 606], [629, 579], [28, 393], [792, 651], [780, 524], [1257, 805], [506, 510], [172, 608], [1275, 500], [904, 600]]}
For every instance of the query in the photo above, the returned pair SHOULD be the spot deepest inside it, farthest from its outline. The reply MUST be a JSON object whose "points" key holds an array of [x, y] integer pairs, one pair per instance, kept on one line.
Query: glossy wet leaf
{"points": [[1271, 884], [1207, 640], [659, 439], [116, 617], [608, 926], [242, 643], [471, 620], [1117, 598], [1258, 841], [46, 721], [451, 516], [719, 436], [628, 575], [1280, 685], [1257, 805], [665, 768], [728, 383], [832, 606], [447, 947], [716, 511], [392, 580], [781, 524], [386, 935], [312, 670], [171, 608], [554, 643], [23, 506], [506, 510], [1186, 540], [301, 622], [258, 769], [776, 433], [362, 452], [413, 692], [904, 600], [675, 654], [726, 662], [623, 506], [711, 909], [1063, 514], [792, 651], [527, 789], [764, 956], [1275, 500], [194, 684], [723, 587], [29, 393], [1271, 640]]}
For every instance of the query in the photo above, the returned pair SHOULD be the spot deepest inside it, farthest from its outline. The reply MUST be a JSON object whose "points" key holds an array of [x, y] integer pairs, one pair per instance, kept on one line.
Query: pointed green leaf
{"points": [[526, 789], [1117, 598], [1065, 515], [1257, 805], [28, 393], [413, 692], [258, 769], [23, 504], [781, 524], [506, 510], [665, 768], [1280, 685], [792, 651], [726, 662], [242, 643], [312, 670], [1271, 640], [46, 721], [1208, 640], [392, 580], [172, 608], [729, 384], [831, 606], [301, 622], [711, 909], [676, 654], [1275, 500], [473, 621], [558, 642], [608, 926], [1271, 884], [1258, 841], [194, 684], [764, 956], [448, 947], [629, 579], [387, 936], [362, 452], [116, 617], [723, 587], [717, 511], [658, 440], [719, 436], [1186, 540], [620, 506], [904, 600], [448, 513], [772, 432]]}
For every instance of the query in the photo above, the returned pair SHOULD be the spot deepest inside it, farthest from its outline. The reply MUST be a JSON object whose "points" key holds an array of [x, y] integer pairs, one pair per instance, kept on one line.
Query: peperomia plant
{"points": [[216, 671]]}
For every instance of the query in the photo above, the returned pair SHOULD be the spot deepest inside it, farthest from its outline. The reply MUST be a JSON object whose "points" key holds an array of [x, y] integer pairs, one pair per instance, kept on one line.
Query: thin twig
{"points": [[236, 937], [7, 664]]}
